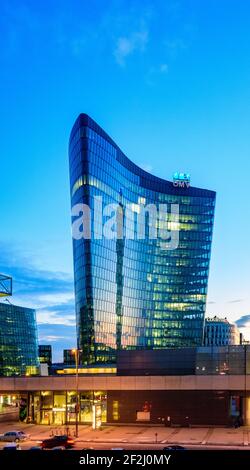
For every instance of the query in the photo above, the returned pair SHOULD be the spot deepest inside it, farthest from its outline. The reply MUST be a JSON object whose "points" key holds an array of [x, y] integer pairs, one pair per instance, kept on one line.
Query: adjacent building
{"points": [[69, 357], [204, 360], [45, 354], [134, 291], [220, 332], [18, 341]]}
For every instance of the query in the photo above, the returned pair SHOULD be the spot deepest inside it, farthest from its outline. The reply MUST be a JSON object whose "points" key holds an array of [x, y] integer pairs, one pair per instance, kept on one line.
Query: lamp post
{"points": [[245, 394], [76, 352]]}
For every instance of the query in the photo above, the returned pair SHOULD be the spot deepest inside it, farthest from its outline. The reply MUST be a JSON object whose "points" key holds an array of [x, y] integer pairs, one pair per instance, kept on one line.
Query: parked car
{"points": [[12, 446], [174, 447], [14, 436], [57, 441], [35, 448]]}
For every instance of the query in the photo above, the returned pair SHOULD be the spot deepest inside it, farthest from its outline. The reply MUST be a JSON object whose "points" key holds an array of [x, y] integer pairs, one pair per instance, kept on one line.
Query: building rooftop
{"points": [[218, 320]]}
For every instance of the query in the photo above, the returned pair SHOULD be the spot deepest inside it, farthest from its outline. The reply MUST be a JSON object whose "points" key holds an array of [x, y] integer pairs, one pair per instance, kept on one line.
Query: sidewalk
{"points": [[141, 435]]}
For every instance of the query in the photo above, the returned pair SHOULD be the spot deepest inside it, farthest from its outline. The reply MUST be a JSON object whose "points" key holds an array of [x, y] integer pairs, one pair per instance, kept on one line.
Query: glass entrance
{"points": [[59, 417], [46, 417], [86, 403], [59, 408]]}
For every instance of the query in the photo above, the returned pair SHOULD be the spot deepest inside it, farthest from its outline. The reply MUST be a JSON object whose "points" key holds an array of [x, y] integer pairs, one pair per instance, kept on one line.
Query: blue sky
{"points": [[169, 81]]}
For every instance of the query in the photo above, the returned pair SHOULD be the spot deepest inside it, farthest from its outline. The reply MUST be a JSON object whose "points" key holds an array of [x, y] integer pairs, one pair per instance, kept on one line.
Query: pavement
{"points": [[139, 437]]}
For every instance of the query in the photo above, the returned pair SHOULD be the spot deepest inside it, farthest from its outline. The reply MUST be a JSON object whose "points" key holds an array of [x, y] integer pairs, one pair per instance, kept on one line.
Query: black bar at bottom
{"points": [[118, 458]]}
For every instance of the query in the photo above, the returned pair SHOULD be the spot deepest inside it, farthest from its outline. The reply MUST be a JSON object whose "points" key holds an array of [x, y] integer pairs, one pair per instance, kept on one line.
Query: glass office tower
{"points": [[130, 292], [18, 341]]}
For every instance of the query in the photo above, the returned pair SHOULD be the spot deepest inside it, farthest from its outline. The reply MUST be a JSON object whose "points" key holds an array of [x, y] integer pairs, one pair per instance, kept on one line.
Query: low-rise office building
{"points": [[213, 360], [203, 392], [69, 358], [192, 400], [220, 332], [45, 354]]}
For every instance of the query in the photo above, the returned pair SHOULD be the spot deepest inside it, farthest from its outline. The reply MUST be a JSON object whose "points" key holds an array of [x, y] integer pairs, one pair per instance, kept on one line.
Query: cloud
{"points": [[243, 322], [50, 293], [57, 314], [51, 338], [61, 337], [127, 45], [28, 279], [61, 298], [62, 331], [47, 316]]}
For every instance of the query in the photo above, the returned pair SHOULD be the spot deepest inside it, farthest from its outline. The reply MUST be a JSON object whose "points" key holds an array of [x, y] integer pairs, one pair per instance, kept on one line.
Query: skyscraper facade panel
{"points": [[136, 290]]}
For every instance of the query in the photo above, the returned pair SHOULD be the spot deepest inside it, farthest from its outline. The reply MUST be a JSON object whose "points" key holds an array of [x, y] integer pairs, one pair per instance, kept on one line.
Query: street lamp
{"points": [[76, 352]]}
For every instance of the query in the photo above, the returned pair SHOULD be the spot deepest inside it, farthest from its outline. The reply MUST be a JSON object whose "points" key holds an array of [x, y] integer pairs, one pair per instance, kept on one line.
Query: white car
{"points": [[12, 446], [14, 436]]}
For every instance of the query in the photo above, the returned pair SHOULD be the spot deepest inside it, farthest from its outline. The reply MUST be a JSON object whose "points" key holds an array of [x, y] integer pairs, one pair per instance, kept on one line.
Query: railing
{"points": [[61, 431]]}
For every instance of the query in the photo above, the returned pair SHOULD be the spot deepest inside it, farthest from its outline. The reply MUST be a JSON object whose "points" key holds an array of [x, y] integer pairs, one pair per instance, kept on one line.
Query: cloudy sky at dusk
{"points": [[169, 80]]}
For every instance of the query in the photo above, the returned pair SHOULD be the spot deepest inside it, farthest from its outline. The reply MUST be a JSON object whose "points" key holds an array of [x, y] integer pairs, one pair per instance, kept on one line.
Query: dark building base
{"points": [[173, 407], [176, 407]]}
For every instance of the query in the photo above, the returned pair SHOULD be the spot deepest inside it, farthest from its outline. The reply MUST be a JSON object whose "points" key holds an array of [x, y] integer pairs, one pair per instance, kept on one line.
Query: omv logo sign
{"points": [[181, 180]]}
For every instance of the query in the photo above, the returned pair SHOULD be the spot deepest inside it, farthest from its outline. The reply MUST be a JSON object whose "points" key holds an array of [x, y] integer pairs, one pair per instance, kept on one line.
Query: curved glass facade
{"points": [[18, 341], [131, 293]]}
